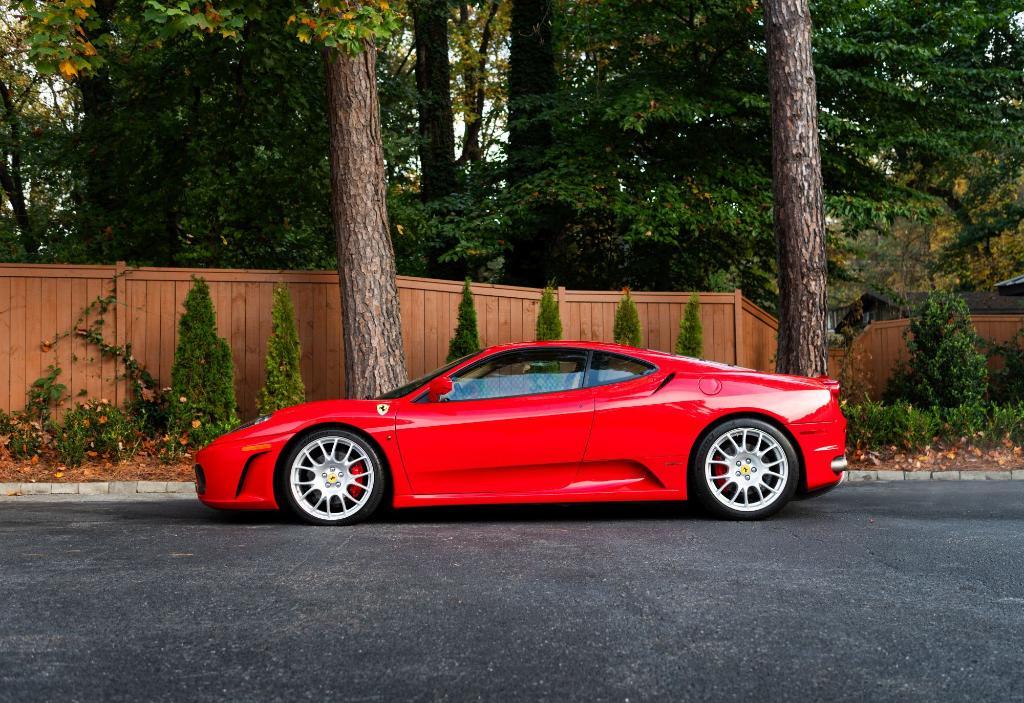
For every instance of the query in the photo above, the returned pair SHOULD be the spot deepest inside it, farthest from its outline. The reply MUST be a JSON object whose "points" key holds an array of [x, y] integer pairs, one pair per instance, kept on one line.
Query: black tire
{"points": [[377, 487], [702, 489]]}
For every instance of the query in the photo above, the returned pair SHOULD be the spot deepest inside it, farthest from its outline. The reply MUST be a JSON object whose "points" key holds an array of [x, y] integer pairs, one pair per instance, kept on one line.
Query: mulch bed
{"points": [[140, 468], [961, 457]]}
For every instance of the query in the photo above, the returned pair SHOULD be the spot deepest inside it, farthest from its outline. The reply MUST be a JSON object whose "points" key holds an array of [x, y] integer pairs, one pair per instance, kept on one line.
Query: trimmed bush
{"points": [[690, 341], [1008, 381], [946, 368], [96, 430], [21, 436], [627, 322], [467, 339], [202, 400], [284, 386], [549, 324], [875, 426]]}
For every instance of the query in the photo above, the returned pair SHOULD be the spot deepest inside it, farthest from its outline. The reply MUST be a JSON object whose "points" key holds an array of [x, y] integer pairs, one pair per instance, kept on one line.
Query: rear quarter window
{"points": [[608, 368]]}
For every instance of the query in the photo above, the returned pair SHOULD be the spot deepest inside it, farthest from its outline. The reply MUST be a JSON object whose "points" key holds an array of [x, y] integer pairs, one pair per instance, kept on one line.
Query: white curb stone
{"points": [[1017, 474], [152, 487], [918, 475], [854, 475], [10, 489], [946, 475], [94, 488], [35, 489], [890, 475], [124, 487], [181, 487], [984, 475], [64, 488]]}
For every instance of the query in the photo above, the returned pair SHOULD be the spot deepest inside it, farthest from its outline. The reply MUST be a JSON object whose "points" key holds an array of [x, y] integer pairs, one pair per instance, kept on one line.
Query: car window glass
{"points": [[611, 368], [521, 373]]}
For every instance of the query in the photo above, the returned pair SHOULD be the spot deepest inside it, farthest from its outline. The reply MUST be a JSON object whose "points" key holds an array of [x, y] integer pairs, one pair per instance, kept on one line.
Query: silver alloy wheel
{"points": [[332, 478], [746, 469]]}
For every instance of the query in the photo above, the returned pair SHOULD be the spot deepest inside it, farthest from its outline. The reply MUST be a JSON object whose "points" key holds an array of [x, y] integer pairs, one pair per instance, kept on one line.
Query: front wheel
{"points": [[744, 469], [332, 477]]}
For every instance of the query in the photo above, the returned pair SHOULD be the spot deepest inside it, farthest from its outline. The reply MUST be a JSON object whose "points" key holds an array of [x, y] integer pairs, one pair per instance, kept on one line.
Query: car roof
{"points": [[651, 354]]}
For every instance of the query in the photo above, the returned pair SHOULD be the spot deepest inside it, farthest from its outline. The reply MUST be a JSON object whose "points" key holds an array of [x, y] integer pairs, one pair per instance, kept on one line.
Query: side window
{"points": [[611, 368], [521, 373]]}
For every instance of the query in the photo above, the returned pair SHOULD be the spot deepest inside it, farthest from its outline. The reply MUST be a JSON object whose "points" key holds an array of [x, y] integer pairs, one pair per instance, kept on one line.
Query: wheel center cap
{"points": [[332, 477]]}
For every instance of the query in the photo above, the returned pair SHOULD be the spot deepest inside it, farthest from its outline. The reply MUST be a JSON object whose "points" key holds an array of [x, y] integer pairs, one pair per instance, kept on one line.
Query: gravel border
{"points": [[95, 488]]}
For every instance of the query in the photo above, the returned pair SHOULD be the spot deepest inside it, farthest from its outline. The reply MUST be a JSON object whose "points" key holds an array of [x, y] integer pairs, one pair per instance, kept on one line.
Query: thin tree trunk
{"points": [[474, 81], [796, 185], [371, 320], [433, 88]]}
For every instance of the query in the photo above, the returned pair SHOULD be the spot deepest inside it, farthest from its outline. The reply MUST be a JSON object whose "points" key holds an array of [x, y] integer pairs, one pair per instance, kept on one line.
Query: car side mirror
{"points": [[439, 387]]}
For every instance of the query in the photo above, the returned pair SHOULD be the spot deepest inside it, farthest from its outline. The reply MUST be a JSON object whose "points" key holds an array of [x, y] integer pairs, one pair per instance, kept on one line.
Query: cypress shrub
{"points": [[202, 401], [690, 341], [549, 324], [627, 322], [466, 340], [945, 368], [283, 386]]}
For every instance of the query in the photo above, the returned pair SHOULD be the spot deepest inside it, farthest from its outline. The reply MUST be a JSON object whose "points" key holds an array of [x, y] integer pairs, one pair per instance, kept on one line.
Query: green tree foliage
{"points": [[549, 323], [690, 341], [627, 322], [202, 398], [284, 386], [657, 173], [466, 339], [945, 368]]}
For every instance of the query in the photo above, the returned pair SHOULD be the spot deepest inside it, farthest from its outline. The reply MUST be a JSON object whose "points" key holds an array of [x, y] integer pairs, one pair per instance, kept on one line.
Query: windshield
{"points": [[422, 380]]}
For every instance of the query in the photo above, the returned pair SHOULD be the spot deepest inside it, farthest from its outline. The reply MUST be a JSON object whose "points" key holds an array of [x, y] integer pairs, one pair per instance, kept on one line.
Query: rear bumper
{"points": [[823, 445]]}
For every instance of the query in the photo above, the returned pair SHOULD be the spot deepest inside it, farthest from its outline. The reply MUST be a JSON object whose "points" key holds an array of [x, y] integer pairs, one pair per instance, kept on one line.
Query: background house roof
{"points": [[1011, 286]]}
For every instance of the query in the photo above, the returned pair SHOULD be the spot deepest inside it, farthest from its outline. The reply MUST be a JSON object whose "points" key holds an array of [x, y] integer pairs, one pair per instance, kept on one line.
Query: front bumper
{"points": [[237, 473]]}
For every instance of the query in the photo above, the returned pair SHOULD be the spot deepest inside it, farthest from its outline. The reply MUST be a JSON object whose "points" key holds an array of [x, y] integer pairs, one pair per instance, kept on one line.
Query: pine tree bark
{"points": [[371, 320], [433, 88], [799, 211]]}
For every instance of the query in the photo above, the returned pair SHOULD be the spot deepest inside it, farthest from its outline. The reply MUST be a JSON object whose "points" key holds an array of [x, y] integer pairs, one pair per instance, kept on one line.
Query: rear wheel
{"points": [[333, 477], [744, 469]]}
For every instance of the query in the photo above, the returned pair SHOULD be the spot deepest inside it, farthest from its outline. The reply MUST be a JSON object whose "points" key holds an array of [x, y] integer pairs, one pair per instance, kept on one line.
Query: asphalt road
{"points": [[911, 591]]}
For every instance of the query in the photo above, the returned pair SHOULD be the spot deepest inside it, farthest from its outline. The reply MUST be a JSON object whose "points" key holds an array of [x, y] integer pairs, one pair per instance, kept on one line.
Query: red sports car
{"points": [[542, 422]]}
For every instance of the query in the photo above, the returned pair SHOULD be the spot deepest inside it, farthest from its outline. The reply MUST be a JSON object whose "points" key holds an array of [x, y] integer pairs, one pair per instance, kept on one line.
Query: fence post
{"points": [[560, 296], [737, 315], [120, 329]]}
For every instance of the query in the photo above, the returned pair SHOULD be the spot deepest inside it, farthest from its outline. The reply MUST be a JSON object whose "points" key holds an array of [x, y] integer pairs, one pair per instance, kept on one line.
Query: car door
{"points": [[514, 422]]}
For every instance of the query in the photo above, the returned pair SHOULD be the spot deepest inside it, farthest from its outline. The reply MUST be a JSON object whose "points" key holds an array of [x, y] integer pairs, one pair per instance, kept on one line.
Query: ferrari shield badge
{"points": [[382, 408]]}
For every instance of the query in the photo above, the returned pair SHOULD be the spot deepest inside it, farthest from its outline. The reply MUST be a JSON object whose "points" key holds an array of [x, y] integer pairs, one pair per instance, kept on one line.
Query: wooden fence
{"points": [[878, 350], [40, 302]]}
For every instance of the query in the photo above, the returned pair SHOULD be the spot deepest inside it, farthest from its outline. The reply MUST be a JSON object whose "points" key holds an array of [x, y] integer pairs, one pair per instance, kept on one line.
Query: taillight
{"points": [[832, 385]]}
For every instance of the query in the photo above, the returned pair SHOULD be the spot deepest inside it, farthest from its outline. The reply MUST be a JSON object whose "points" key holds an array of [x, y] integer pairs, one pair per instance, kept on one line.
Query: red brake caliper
{"points": [[354, 490]]}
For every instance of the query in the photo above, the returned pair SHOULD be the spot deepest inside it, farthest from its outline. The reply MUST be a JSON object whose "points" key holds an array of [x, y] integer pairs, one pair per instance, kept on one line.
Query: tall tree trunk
{"points": [[532, 83], [796, 185], [10, 173], [101, 190], [433, 88], [371, 320]]}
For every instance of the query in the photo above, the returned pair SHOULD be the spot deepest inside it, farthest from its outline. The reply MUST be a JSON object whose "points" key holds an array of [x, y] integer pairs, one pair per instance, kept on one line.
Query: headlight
{"points": [[252, 423]]}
